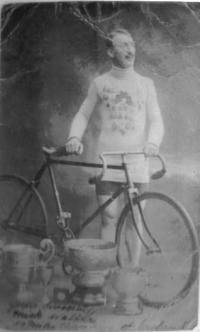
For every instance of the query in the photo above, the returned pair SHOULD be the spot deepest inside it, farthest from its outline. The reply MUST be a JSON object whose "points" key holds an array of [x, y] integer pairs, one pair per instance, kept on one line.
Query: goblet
{"points": [[19, 264], [128, 283]]}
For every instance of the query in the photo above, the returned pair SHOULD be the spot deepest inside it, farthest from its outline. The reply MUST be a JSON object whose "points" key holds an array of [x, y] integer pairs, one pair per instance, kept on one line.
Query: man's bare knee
{"points": [[109, 216], [111, 213]]}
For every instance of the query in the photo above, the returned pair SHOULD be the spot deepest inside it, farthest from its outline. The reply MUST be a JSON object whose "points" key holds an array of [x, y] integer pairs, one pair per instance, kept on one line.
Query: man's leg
{"points": [[110, 215], [133, 243]]}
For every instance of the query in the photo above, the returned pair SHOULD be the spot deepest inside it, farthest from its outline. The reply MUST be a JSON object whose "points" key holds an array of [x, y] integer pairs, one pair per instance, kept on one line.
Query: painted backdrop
{"points": [[50, 54]]}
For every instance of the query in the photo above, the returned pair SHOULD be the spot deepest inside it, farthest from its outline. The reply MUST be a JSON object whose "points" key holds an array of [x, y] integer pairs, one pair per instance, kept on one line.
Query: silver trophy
{"points": [[21, 262]]}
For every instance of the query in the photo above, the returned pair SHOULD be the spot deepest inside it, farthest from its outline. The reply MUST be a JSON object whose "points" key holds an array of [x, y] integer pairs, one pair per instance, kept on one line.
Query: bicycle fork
{"points": [[132, 193]]}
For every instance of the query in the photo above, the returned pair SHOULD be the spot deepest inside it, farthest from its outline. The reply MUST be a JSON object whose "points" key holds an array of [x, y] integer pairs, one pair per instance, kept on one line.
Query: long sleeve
{"points": [[81, 119], [155, 121]]}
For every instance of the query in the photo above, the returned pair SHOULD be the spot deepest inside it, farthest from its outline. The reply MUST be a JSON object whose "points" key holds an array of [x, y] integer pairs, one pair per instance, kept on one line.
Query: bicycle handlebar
{"points": [[156, 175], [61, 151]]}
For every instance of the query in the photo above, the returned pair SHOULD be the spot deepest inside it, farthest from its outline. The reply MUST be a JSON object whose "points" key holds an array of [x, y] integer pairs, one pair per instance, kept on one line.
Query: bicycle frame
{"points": [[128, 188], [132, 212], [57, 161]]}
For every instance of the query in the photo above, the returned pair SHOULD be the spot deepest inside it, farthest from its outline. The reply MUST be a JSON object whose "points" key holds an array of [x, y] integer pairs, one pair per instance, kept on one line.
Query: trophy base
{"points": [[23, 294], [129, 306], [89, 296]]}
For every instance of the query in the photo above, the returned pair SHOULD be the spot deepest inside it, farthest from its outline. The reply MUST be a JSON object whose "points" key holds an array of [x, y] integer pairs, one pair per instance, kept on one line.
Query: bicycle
{"points": [[169, 255]]}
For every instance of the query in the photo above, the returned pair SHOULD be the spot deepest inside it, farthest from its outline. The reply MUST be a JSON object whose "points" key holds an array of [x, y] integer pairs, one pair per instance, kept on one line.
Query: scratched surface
{"points": [[47, 67], [70, 316], [15, 316]]}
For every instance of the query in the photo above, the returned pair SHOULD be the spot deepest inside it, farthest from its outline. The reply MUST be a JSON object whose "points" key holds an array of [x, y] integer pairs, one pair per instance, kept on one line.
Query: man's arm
{"points": [[80, 121], [155, 121]]}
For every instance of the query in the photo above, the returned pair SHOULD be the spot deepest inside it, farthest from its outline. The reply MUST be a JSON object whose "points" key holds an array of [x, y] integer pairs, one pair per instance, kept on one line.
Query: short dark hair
{"points": [[110, 35]]}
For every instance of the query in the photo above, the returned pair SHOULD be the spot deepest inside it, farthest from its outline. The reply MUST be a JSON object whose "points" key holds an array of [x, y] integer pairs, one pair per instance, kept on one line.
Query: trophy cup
{"points": [[21, 262], [91, 260]]}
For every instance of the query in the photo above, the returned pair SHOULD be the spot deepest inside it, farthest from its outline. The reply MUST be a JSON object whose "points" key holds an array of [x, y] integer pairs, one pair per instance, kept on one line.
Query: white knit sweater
{"points": [[128, 111]]}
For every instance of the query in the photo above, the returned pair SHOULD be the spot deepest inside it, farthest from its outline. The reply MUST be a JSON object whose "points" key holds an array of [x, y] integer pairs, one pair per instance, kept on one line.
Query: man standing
{"points": [[129, 119]]}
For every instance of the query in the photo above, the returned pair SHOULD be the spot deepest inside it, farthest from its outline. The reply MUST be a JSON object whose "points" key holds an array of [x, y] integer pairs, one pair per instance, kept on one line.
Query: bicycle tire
{"points": [[22, 209], [169, 237]]}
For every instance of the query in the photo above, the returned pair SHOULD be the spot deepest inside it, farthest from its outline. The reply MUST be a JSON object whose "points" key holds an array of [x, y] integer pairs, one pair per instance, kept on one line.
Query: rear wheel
{"points": [[21, 208], [171, 270]]}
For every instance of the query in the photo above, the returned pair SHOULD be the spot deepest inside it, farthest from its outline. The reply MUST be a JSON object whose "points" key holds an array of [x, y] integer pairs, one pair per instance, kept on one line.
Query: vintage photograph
{"points": [[99, 166]]}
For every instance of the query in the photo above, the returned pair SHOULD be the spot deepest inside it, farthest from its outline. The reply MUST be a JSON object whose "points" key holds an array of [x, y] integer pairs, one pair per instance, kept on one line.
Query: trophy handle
{"points": [[47, 250]]}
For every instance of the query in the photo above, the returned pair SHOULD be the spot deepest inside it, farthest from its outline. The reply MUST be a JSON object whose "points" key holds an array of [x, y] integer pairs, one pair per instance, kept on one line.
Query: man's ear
{"points": [[110, 52]]}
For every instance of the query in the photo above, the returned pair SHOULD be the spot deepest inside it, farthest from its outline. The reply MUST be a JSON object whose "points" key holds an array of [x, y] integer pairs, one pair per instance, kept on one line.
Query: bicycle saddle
{"points": [[49, 150], [57, 152]]}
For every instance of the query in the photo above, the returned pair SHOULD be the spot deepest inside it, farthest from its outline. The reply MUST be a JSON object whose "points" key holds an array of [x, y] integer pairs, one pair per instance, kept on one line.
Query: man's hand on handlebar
{"points": [[151, 149], [74, 145]]}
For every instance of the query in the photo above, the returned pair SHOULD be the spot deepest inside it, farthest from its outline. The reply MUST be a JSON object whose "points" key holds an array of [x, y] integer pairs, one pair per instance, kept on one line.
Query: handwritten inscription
{"points": [[52, 316]]}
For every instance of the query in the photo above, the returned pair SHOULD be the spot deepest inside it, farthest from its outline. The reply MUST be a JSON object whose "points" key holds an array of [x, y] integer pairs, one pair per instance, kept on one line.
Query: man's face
{"points": [[123, 51]]}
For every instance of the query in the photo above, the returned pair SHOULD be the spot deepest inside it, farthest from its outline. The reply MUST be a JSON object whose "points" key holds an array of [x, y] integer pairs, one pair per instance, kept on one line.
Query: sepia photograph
{"points": [[99, 166]]}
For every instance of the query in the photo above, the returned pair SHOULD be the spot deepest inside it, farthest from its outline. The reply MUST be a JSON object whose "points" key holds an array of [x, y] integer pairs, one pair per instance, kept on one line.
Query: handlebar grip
{"points": [[158, 174]]}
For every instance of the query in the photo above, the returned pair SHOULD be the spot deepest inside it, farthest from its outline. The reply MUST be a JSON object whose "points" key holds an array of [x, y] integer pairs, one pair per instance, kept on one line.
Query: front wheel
{"points": [[170, 261]]}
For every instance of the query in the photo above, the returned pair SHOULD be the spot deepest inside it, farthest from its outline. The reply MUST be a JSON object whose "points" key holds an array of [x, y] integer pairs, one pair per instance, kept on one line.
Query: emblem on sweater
{"points": [[122, 109]]}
